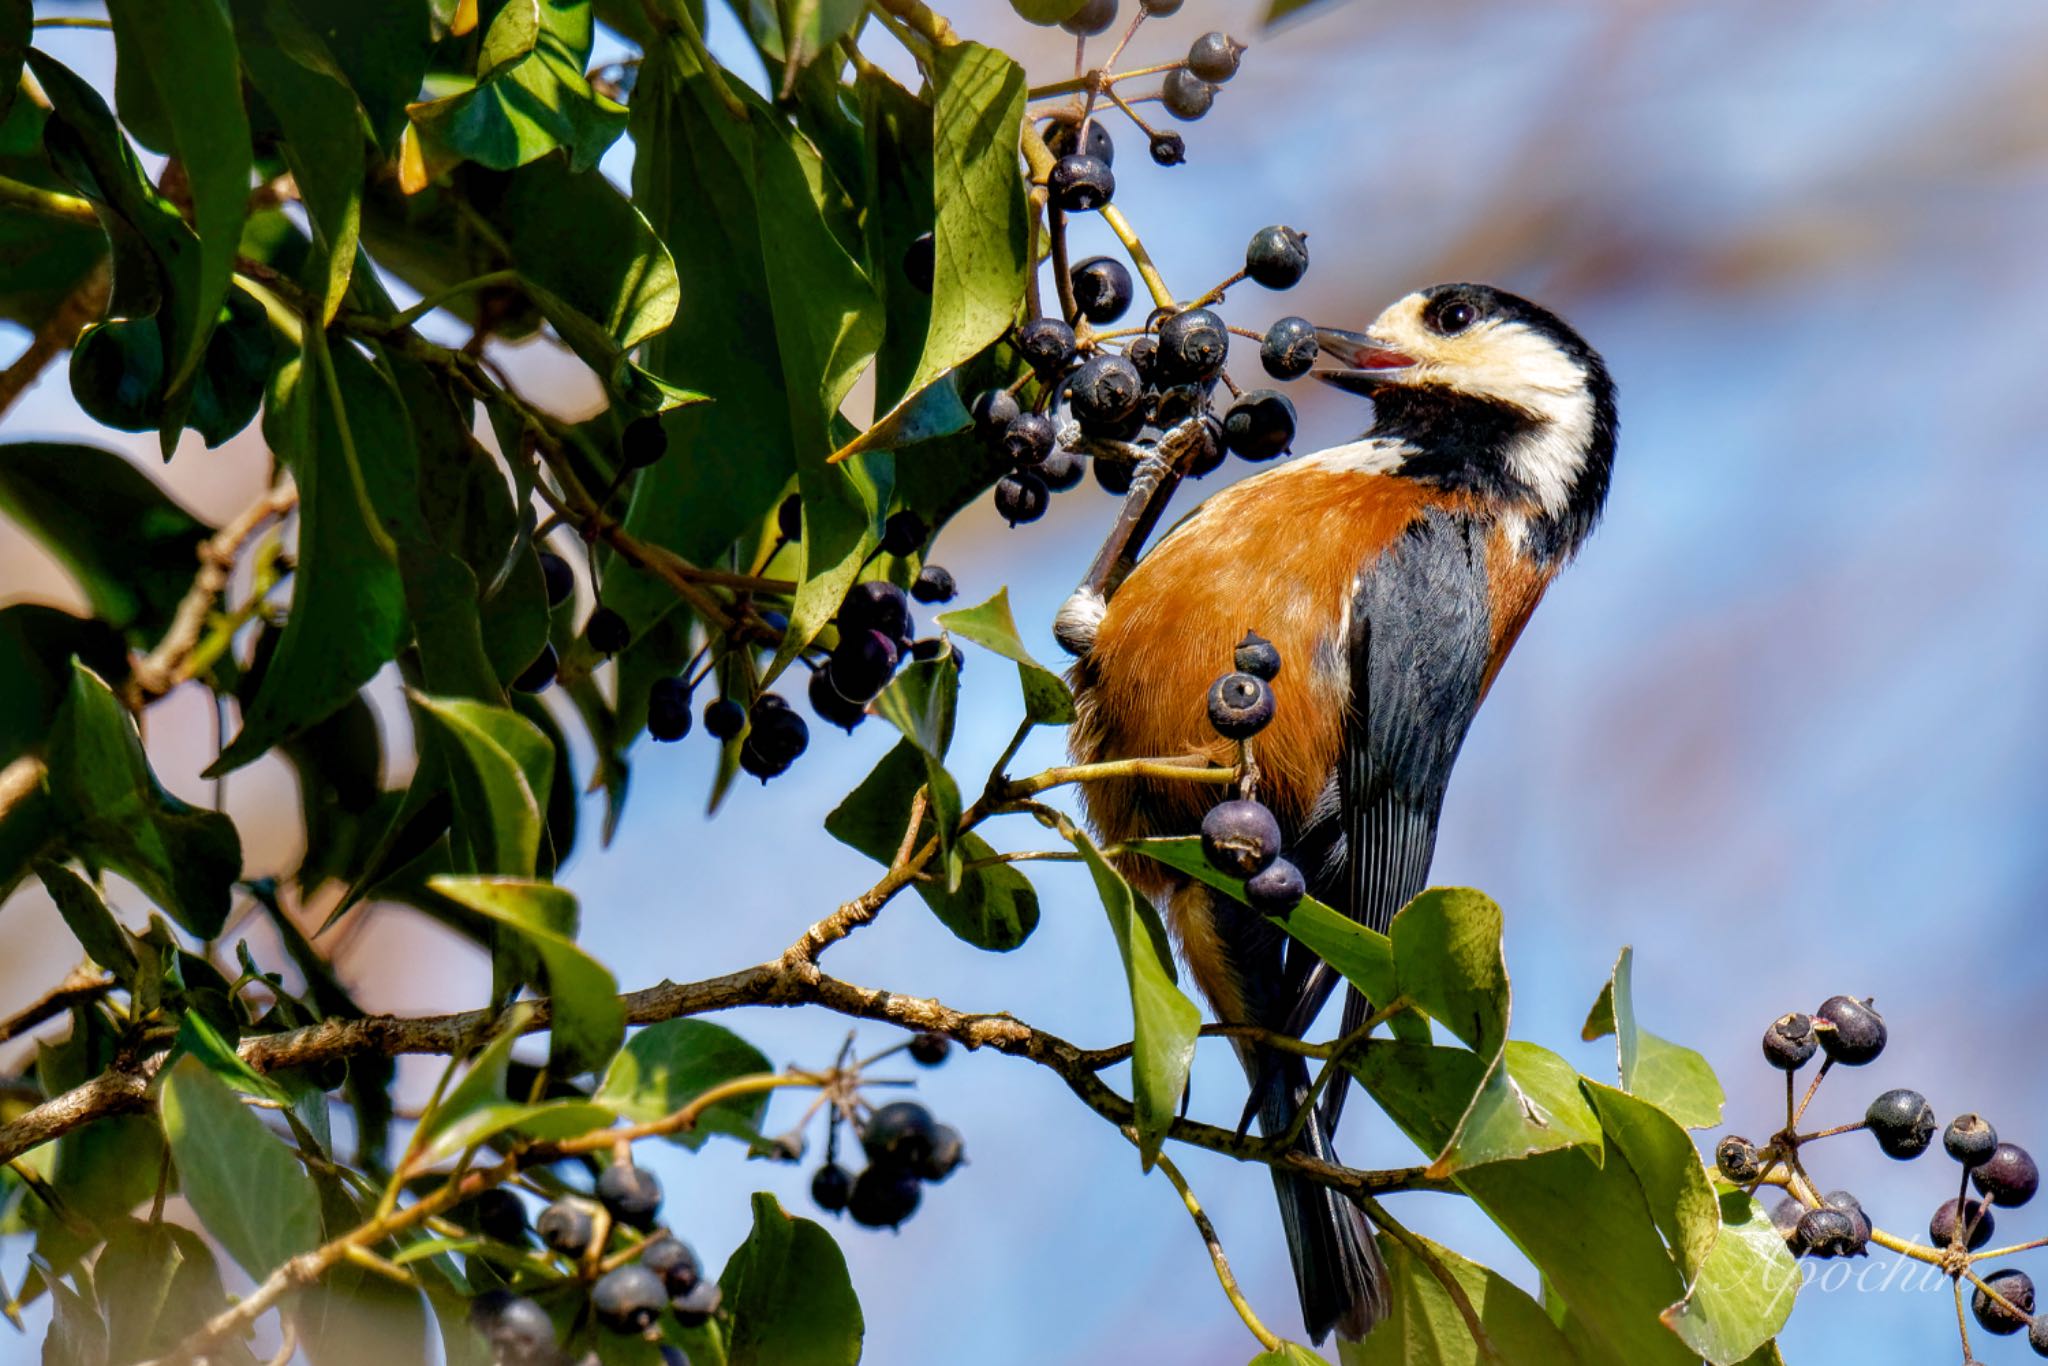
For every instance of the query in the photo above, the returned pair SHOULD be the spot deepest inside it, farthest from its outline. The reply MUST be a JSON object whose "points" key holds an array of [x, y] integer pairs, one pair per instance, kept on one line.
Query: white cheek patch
{"points": [[1514, 364], [1374, 455]]}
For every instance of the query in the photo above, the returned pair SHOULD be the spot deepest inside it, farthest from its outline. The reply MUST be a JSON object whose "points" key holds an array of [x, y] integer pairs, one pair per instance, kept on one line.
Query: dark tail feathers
{"points": [[1337, 1265]]}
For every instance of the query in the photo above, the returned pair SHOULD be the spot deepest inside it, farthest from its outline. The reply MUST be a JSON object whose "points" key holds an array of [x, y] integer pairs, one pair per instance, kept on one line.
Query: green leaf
{"points": [[1524, 1101], [1164, 1022], [247, 1189], [587, 1022], [112, 812], [1050, 12], [990, 625], [1425, 1327], [547, 1119], [667, 1065], [530, 96], [920, 702], [189, 57], [898, 190], [1670, 1076], [87, 916], [17, 18], [1290, 1354], [482, 1083], [37, 645], [789, 1296], [347, 616], [1448, 960], [994, 907], [131, 548], [165, 1286], [500, 767], [379, 49], [810, 28]]}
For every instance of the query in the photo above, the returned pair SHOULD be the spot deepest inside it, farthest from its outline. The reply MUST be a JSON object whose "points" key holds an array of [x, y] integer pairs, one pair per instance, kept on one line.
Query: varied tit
{"points": [[1394, 574]]}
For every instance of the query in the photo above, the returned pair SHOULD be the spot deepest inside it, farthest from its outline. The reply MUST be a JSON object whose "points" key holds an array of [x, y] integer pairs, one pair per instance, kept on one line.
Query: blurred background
{"points": [[1779, 729]]}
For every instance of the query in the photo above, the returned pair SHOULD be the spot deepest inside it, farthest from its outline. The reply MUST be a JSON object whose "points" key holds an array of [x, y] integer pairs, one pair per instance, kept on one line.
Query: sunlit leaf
{"points": [[1424, 1324], [787, 1291], [667, 1065], [1674, 1078], [990, 625]]}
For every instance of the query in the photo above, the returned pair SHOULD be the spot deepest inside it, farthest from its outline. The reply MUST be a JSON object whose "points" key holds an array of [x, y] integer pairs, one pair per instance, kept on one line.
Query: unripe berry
{"points": [[628, 1299], [1789, 1042], [1850, 1031], [1240, 705], [2008, 1177], [2017, 1288], [1970, 1140], [1240, 837], [1276, 888], [1277, 257], [1902, 1122]]}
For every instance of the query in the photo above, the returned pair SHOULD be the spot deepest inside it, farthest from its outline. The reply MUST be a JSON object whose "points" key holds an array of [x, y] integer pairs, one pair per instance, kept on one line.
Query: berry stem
{"points": [[2001, 1301], [1812, 1087], [2012, 1251], [1123, 42], [1120, 102], [1186, 770], [1830, 1133], [1161, 296], [1963, 1323], [1267, 1340], [1215, 296], [1080, 84]]}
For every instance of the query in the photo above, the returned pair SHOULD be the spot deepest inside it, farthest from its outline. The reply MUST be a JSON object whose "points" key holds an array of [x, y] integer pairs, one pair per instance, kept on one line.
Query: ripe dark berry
{"points": [[1789, 1042], [1192, 346], [1902, 1122], [862, 665], [1785, 1216], [1062, 470], [2017, 1288], [904, 533], [789, 518], [1187, 96], [777, 736], [628, 1299], [883, 1196], [1240, 705], [1214, 57], [1851, 1206], [2008, 1177], [831, 1186], [632, 1194], [1260, 425], [1160, 9], [724, 718], [1102, 289], [559, 578], [1828, 1233], [1106, 389], [948, 1152], [832, 705], [875, 605], [1941, 1229], [1850, 1031], [1094, 16], [694, 1308], [1143, 354], [919, 259], [1061, 141], [1047, 345], [1126, 428], [1205, 451], [1169, 149], [1277, 257], [1970, 1140], [993, 410], [500, 1216], [930, 1049], [1257, 656], [934, 584], [568, 1225], [1738, 1159], [539, 675], [607, 631], [1028, 439], [900, 1132], [1240, 837], [1081, 184], [643, 442], [670, 1258], [668, 708], [1021, 497], [1276, 888], [519, 1331], [1113, 476], [1289, 349], [2037, 1335]]}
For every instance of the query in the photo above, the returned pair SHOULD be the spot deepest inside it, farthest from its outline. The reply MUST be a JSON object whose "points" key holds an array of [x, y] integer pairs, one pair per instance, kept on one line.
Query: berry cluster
{"points": [[625, 1270], [1240, 836], [1851, 1033], [905, 1149]]}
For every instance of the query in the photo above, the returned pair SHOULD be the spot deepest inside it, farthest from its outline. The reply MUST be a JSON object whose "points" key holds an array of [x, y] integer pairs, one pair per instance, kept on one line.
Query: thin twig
{"points": [[1267, 1338], [164, 667], [81, 985], [1423, 1253]]}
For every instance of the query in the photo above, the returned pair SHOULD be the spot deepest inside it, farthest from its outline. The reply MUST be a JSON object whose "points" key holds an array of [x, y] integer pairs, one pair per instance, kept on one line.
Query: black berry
{"points": [[1277, 257], [1260, 425], [789, 518], [994, 409], [1113, 476], [2037, 1335], [2008, 1177], [831, 1186], [1785, 1216], [934, 584], [1061, 141], [1850, 1032], [1289, 349], [1160, 9], [776, 738], [607, 631], [1977, 1218], [632, 1194], [539, 675], [1062, 470], [1276, 888], [1187, 96], [1970, 1140], [500, 1216], [567, 1226], [1205, 452], [901, 1132], [948, 1152], [919, 259], [1851, 1206], [1080, 184], [1240, 837], [628, 1299], [1102, 289], [1021, 497], [668, 708], [1106, 389], [1094, 16], [519, 1330], [883, 1196], [1028, 439], [1738, 1159], [904, 533], [1902, 1122], [1257, 657], [1192, 346], [559, 578], [724, 718], [862, 665], [834, 706], [1789, 1042], [1240, 705], [1169, 149], [1047, 345], [643, 442], [1143, 354], [2017, 1289], [1214, 57], [670, 1258], [694, 1308], [1828, 1233], [930, 1049], [876, 605]]}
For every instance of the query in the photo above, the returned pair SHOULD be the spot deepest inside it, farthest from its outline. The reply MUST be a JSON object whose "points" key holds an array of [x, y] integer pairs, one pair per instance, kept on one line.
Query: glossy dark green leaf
{"points": [[111, 811], [530, 96], [16, 18], [1670, 1076], [246, 1187], [1164, 1022], [379, 49], [500, 768], [87, 917], [131, 548], [994, 907], [588, 1022], [990, 625], [787, 1290], [37, 645], [347, 613], [78, 1333], [897, 185], [667, 1065], [42, 260], [1425, 1325], [809, 29]]}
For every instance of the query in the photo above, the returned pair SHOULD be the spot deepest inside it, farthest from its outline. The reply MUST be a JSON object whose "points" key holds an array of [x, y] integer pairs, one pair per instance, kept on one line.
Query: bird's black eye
{"points": [[1452, 317]]}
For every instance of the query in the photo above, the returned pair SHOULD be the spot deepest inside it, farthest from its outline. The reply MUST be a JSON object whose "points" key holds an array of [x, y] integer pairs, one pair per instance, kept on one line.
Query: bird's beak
{"points": [[1369, 364]]}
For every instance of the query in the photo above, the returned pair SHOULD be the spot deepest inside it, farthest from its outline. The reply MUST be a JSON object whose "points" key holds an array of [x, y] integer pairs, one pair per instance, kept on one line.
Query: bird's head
{"points": [[1490, 394]]}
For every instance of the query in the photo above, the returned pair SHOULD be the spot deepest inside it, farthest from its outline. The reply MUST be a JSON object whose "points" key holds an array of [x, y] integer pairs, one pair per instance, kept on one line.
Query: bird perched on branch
{"points": [[1393, 574]]}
